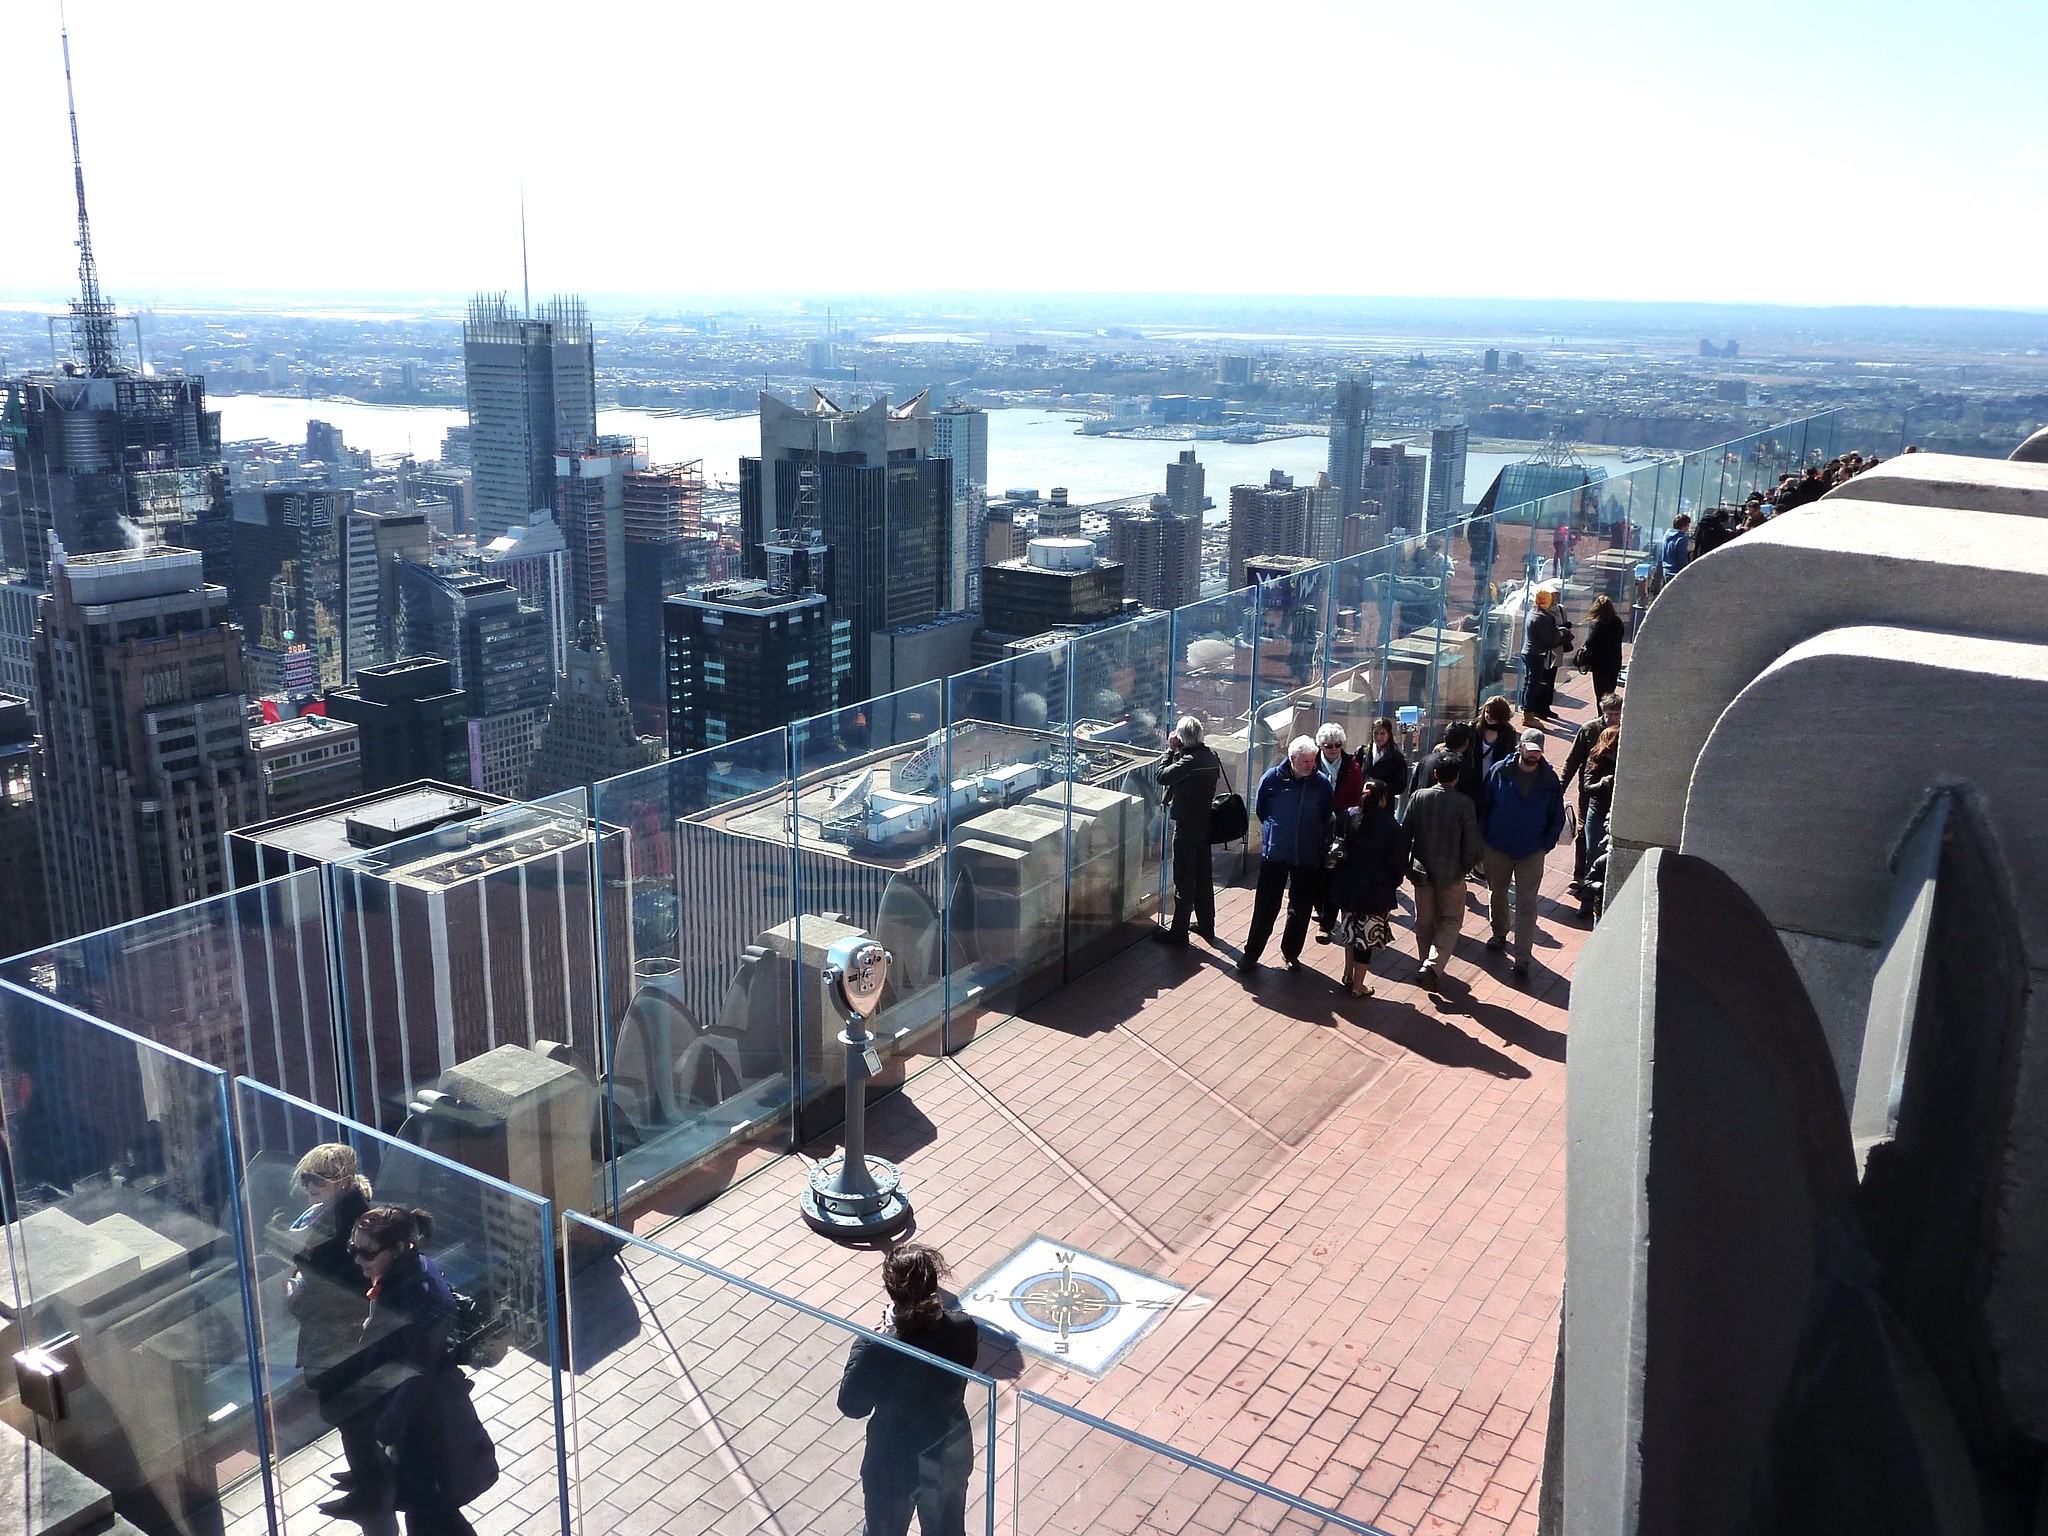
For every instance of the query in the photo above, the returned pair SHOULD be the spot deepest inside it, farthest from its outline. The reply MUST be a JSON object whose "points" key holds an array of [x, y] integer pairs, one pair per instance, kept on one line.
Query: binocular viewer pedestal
{"points": [[855, 1198]]}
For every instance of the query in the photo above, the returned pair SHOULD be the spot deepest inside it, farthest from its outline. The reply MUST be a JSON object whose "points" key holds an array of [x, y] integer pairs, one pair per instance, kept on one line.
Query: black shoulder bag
{"points": [[1229, 821]]}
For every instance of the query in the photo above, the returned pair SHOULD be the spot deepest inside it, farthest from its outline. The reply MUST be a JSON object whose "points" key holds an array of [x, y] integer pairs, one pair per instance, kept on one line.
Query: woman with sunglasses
{"points": [[325, 1298], [436, 1453]]}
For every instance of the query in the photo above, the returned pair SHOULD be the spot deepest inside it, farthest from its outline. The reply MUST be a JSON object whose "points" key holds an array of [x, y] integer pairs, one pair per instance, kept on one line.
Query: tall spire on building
{"points": [[92, 317]]}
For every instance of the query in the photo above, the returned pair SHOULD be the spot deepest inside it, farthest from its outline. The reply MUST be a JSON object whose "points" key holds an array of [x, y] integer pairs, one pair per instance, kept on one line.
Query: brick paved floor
{"points": [[1364, 1198]]}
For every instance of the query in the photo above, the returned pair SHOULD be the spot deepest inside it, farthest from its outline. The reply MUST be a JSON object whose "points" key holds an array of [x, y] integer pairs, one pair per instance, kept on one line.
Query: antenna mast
{"points": [[92, 317], [525, 280]]}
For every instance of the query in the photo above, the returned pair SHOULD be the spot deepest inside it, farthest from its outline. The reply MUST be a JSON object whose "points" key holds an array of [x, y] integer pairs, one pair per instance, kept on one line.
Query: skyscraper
{"points": [[1185, 488], [413, 722], [960, 433], [294, 528], [867, 482], [532, 388], [1270, 519], [1350, 436], [143, 761], [1161, 553], [1447, 447], [1394, 478], [590, 505], [374, 546], [24, 918], [589, 731], [668, 550], [106, 456], [744, 657], [535, 559], [499, 645]]}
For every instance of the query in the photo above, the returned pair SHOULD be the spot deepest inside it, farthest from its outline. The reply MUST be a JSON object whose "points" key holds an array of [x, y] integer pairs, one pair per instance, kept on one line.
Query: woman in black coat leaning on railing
{"points": [[920, 1449]]}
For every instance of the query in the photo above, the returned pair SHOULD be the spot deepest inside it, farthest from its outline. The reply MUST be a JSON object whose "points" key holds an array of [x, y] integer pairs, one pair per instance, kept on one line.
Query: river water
{"points": [[1035, 448]]}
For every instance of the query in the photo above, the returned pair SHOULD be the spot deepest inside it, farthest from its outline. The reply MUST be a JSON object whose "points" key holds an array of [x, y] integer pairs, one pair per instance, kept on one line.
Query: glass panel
{"points": [[1212, 680], [335, 1368], [239, 980], [1071, 1474], [1293, 618], [1123, 682], [871, 858], [699, 1402], [1419, 568], [1361, 616], [698, 1069], [469, 968], [1009, 761], [121, 1228]]}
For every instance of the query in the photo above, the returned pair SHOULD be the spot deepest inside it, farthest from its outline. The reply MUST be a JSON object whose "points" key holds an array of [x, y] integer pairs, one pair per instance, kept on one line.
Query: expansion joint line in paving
{"points": [[706, 1419]]}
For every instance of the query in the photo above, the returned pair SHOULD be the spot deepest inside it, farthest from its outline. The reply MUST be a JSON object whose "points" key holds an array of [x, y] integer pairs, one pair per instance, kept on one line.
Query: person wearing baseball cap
{"points": [[1521, 817]]}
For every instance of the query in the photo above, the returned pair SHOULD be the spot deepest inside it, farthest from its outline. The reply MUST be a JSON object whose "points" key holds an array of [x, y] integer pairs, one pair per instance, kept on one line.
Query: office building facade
{"points": [[1350, 437], [960, 434], [668, 550], [294, 532], [499, 645], [868, 483], [531, 385], [306, 763], [746, 656], [375, 545], [1161, 553], [1448, 446], [24, 916], [143, 759], [1394, 478], [588, 734], [535, 559], [1270, 519], [412, 720]]}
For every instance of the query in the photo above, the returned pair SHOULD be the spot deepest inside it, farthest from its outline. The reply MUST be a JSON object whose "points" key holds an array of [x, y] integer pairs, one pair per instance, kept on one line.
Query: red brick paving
{"points": [[1369, 1195]]}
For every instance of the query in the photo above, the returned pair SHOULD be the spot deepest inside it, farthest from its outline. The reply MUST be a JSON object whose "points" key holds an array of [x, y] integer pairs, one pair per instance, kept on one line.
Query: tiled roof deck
{"points": [[1366, 1196]]}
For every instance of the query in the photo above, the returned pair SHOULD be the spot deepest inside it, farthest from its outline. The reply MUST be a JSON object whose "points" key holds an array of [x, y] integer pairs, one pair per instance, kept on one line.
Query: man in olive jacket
{"points": [[1443, 845], [1188, 773]]}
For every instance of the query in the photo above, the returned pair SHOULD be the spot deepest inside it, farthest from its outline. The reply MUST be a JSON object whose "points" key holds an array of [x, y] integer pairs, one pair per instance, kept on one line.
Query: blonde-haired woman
{"points": [[327, 1298]]}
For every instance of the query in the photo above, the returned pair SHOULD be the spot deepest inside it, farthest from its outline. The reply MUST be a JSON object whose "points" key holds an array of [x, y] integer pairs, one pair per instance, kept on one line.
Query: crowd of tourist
{"points": [[1687, 541], [1483, 804]]}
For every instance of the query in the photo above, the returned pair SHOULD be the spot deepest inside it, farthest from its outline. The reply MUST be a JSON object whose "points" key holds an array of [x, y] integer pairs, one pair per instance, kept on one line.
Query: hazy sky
{"points": [[1877, 152]]}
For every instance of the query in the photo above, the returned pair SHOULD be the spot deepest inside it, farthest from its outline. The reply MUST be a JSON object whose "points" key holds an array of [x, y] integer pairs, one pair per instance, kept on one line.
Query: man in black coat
{"points": [[1188, 773]]}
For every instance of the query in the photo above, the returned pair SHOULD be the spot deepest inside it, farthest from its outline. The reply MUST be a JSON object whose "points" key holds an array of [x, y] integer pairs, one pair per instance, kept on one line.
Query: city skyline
{"points": [[1664, 211]]}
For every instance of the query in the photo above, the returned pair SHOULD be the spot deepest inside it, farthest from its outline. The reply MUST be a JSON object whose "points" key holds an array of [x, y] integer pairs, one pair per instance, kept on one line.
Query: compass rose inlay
{"points": [[1071, 1306]]}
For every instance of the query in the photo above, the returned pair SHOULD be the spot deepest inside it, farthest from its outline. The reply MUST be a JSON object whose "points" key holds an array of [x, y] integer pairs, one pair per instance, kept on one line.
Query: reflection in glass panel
{"points": [[870, 846], [1213, 643], [469, 962], [1123, 678], [121, 1236], [698, 1069], [331, 1366], [239, 981], [1009, 760], [1293, 621]]}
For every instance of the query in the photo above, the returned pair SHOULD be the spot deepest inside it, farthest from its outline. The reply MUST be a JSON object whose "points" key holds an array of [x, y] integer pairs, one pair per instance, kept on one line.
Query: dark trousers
{"points": [[439, 1520], [1539, 686], [1603, 683], [1194, 886], [934, 1487], [1303, 885]]}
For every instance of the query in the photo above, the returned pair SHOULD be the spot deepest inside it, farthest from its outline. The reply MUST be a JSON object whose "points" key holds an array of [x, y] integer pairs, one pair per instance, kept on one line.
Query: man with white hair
{"points": [[1188, 773], [1295, 806]]}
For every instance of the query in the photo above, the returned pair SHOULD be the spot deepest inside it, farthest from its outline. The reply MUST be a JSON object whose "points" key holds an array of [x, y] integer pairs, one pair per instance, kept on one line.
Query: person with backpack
{"points": [[1188, 773], [438, 1454]]}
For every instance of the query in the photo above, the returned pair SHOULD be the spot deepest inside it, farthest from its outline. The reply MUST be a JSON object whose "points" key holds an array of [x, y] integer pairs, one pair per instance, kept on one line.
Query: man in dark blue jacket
{"points": [[1294, 805], [1521, 817]]}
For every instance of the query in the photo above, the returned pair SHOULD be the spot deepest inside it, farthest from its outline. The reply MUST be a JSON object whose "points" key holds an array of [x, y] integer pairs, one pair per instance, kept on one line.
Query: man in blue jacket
{"points": [[1295, 805], [1676, 554], [1521, 817]]}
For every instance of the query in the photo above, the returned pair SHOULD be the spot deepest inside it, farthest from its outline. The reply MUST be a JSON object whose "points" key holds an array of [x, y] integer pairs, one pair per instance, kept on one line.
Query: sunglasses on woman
{"points": [[364, 1253]]}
